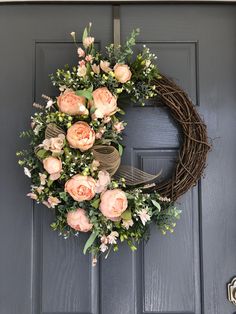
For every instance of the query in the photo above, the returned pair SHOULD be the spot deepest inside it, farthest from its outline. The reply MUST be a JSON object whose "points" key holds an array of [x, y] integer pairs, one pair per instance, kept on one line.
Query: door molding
{"points": [[117, 2]]}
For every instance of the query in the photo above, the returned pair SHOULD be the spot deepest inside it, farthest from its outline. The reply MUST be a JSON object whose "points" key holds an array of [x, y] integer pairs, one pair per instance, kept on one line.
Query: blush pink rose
{"points": [[113, 203], [81, 188], [104, 102], [81, 136], [122, 73], [71, 104], [79, 220], [53, 166]]}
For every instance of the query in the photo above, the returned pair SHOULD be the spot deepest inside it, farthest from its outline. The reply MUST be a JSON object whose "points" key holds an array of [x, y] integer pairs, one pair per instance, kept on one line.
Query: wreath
{"points": [[74, 155]]}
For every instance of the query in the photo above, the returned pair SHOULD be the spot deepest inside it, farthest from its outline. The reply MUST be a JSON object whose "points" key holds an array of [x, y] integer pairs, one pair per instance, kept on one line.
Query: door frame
{"points": [[117, 2]]}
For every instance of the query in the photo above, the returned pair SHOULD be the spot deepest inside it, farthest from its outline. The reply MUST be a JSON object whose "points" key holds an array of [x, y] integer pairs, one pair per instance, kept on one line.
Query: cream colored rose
{"points": [[81, 136], [57, 143], [78, 220], [72, 104], [103, 181], [122, 73], [113, 203], [54, 144], [53, 166], [81, 188], [104, 102]]}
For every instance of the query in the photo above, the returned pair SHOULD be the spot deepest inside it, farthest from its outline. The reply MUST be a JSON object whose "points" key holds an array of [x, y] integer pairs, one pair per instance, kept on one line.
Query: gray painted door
{"points": [[184, 273]]}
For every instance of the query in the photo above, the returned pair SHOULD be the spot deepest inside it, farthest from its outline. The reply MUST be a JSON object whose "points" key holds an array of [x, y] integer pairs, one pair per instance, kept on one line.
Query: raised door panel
{"points": [[195, 45], [51, 274]]}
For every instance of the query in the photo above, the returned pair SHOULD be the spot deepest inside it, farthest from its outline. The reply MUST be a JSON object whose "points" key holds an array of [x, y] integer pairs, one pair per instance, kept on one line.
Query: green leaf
{"points": [[126, 215], [85, 33], [120, 149], [90, 241], [63, 196], [50, 182], [129, 196], [95, 203], [156, 204], [41, 154], [87, 93]]}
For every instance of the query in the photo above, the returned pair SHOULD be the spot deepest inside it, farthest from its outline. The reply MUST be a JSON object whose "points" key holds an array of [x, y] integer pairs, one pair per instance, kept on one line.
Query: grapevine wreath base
{"points": [[193, 152], [75, 149]]}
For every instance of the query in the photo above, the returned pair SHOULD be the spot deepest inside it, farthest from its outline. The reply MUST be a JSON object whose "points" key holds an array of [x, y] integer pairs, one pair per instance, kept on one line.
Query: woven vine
{"points": [[195, 146]]}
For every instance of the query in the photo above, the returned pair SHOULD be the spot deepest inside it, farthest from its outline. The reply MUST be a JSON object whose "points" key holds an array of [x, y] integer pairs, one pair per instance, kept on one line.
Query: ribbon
{"points": [[110, 160]]}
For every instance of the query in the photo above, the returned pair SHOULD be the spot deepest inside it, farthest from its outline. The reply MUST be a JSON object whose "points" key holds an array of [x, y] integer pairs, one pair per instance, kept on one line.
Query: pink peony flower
{"points": [[122, 73], [81, 136], [53, 166], [81, 188], [104, 102], [104, 180], [79, 220], [113, 203], [70, 103]]}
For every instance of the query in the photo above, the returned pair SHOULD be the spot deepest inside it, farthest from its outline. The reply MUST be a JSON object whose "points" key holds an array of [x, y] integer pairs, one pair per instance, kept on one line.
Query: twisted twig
{"points": [[193, 152]]}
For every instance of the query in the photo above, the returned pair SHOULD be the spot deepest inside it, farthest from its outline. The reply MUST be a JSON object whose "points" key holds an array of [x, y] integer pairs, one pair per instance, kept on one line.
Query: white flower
{"points": [[82, 108], [62, 88], [95, 165], [148, 62], [49, 104], [37, 129], [53, 201], [39, 189], [104, 239], [103, 247], [33, 196], [164, 199], [27, 172], [112, 237], [144, 216], [42, 177], [72, 35], [127, 223]]}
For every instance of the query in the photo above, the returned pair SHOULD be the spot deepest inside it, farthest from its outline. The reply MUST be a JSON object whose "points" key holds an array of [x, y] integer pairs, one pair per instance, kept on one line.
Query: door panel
{"points": [[40, 272], [196, 46], [182, 273]]}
